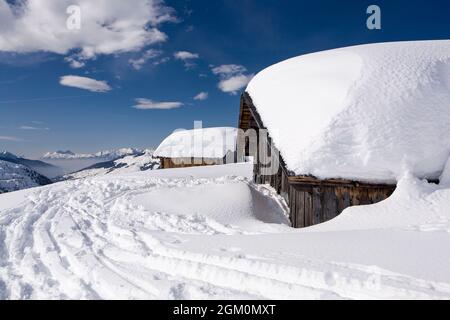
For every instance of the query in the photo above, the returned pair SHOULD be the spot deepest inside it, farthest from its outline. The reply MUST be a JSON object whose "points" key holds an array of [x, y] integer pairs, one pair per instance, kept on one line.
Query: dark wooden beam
{"points": [[311, 180]]}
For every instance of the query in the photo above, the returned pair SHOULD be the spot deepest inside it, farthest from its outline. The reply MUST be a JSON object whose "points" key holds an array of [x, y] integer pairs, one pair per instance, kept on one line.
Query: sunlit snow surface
{"points": [[209, 233]]}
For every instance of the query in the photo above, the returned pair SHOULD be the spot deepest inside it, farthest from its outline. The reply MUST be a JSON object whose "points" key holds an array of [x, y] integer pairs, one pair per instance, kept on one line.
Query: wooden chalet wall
{"points": [[311, 200], [170, 163]]}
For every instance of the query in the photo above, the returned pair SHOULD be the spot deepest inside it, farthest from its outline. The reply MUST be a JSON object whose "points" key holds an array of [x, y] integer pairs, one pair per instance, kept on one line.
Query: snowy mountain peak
{"points": [[67, 152]]}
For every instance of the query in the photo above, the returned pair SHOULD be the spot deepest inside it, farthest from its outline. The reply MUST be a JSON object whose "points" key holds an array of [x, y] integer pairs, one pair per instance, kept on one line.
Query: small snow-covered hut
{"points": [[347, 123], [198, 147]]}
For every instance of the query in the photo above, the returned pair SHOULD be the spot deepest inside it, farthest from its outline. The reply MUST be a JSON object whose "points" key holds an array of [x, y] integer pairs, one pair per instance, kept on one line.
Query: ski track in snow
{"points": [[85, 239]]}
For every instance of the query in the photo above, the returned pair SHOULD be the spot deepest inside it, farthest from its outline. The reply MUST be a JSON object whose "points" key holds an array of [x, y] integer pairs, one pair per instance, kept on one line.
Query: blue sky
{"points": [[39, 114]]}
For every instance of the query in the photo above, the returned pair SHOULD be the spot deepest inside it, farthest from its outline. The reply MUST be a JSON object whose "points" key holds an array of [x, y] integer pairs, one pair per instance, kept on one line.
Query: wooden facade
{"points": [[311, 200], [172, 163]]}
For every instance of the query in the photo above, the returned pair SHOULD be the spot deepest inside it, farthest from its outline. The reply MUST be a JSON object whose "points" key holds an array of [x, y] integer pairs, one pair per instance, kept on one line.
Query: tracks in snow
{"points": [[85, 239]]}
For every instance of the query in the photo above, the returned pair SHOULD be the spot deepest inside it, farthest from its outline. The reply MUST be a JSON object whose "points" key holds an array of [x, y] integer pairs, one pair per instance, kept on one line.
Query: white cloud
{"points": [[161, 61], [32, 128], [7, 138], [226, 70], [147, 104], [75, 61], [148, 55], [107, 27], [201, 96], [85, 83], [187, 57], [233, 77], [234, 84]]}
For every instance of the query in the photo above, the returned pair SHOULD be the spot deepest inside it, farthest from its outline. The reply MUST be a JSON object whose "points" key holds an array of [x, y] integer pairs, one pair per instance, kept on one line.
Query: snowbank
{"points": [[368, 112], [199, 143], [232, 203]]}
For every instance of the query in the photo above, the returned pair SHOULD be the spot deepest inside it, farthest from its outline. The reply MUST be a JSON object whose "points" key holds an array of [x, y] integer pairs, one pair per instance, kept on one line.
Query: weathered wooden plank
{"points": [[355, 197], [330, 201], [300, 209], [364, 196], [343, 197], [297, 204], [295, 210], [336, 182], [308, 209], [284, 191], [317, 216], [378, 195]]}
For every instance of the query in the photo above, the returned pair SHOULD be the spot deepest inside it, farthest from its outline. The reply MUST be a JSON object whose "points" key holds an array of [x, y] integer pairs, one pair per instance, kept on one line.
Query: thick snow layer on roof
{"points": [[199, 143], [367, 112]]}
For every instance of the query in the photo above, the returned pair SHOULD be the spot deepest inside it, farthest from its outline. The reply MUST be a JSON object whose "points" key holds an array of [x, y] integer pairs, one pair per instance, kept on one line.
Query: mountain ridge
{"points": [[130, 163], [14, 177], [41, 167], [105, 154]]}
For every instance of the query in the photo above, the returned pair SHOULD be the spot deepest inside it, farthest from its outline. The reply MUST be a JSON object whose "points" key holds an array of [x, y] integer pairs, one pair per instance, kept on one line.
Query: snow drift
{"points": [[231, 202], [369, 112]]}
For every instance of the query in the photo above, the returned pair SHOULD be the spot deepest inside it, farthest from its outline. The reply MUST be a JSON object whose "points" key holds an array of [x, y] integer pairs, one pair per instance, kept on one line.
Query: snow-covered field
{"points": [[208, 232]]}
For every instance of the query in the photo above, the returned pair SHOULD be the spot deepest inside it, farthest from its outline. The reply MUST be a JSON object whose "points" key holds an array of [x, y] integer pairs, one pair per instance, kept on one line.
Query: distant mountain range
{"points": [[40, 167], [72, 162], [14, 176], [103, 155], [18, 173], [131, 163]]}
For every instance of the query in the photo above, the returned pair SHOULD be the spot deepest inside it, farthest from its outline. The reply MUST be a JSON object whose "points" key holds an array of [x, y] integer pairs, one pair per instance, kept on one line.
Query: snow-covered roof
{"points": [[199, 143], [367, 112]]}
